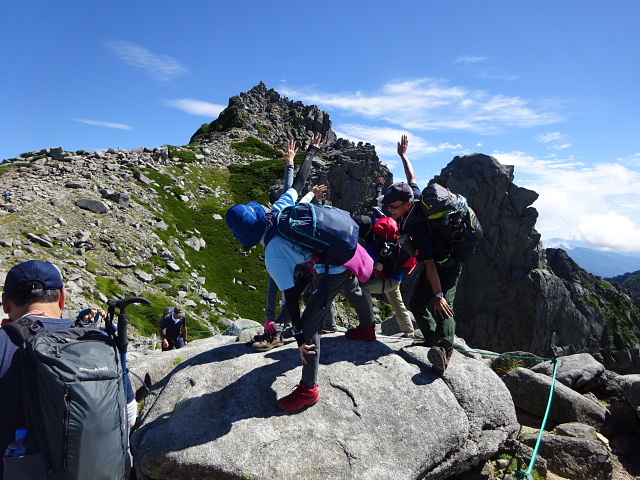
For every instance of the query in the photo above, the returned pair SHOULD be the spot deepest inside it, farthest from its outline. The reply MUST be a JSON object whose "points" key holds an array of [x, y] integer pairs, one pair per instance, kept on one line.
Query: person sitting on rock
{"points": [[249, 224], [173, 330]]}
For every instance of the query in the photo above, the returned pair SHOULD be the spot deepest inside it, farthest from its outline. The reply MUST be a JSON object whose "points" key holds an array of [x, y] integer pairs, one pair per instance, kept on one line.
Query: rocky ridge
{"points": [[103, 215]]}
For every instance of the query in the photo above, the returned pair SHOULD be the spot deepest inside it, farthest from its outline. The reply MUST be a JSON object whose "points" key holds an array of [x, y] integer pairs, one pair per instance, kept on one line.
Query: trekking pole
{"points": [[121, 338]]}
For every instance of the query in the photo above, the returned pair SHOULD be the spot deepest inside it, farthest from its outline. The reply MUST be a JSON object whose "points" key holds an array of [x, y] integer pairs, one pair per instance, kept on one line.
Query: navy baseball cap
{"points": [[397, 192], [25, 274]]}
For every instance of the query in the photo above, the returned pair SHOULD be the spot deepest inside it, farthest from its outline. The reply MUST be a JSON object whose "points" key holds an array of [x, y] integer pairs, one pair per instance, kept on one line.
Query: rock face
{"points": [[382, 414], [510, 295]]}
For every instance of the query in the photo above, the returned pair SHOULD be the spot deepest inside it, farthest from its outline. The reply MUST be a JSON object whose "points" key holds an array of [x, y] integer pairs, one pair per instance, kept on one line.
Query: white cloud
{"points": [[431, 104], [550, 137], [473, 65], [555, 139], [469, 59], [159, 67], [609, 231], [589, 204], [631, 160], [120, 126], [196, 107], [386, 140]]}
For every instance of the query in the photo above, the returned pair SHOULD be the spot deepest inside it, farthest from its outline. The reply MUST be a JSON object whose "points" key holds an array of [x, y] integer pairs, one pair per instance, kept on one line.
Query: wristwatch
{"points": [[440, 295]]}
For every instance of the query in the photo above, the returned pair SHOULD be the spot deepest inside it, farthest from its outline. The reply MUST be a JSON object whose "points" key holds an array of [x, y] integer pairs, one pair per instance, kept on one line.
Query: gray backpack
{"points": [[75, 401]]}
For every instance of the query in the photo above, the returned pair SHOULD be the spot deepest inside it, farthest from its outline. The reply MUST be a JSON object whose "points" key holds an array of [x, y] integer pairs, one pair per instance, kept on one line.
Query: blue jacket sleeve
{"points": [[288, 177]]}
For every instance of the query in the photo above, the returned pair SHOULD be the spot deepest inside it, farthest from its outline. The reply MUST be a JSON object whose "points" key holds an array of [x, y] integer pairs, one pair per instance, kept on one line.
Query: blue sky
{"points": [[548, 86]]}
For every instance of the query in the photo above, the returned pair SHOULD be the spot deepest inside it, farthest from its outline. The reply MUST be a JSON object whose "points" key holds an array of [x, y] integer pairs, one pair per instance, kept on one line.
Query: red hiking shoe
{"points": [[362, 333], [299, 398]]}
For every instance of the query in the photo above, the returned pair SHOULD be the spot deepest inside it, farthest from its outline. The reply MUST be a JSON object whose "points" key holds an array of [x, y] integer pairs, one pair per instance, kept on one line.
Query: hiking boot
{"points": [[333, 329], [299, 398], [271, 341], [440, 356], [362, 333], [429, 340], [257, 338]]}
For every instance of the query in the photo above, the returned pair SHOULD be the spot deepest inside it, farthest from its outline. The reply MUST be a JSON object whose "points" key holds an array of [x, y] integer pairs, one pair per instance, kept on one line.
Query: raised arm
{"points": [[289, 154], [403, 147], [315, 144], [316, 191]]}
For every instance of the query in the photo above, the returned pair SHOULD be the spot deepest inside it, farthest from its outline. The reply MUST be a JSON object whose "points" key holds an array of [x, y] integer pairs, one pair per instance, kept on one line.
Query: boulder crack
{"points": [[348, 393]]}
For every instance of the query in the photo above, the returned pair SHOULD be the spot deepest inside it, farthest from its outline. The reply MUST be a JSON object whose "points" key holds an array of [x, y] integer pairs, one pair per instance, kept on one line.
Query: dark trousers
{"points": [[326, 287], [423, 299], [174, 343]]}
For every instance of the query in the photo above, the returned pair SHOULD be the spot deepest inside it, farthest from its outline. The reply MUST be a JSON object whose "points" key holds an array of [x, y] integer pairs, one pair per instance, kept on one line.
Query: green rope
{"points": [[519, 474], [527, 474], [502, 355]]}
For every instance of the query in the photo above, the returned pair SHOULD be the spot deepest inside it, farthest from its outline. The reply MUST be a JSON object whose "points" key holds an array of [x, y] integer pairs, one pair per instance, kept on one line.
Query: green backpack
{"points": [[455, 224]]}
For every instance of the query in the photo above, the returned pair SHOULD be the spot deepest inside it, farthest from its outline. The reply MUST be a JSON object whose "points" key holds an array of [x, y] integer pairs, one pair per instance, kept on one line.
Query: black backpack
{"points": [[396, 260], [456, 226], [74, 400]]}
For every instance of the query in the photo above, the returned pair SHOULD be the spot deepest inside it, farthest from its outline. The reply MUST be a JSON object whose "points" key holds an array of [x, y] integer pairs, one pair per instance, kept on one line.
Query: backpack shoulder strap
{"points": [[22, 329], [415, 215]]}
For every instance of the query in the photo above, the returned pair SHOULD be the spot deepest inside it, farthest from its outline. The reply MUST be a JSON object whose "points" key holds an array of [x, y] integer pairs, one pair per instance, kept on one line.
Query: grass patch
{"points": [[109, 287], [252, 182], [253, 146], [618, 332], [218, 262], [187, 156], [503, 365], [5, 168]]}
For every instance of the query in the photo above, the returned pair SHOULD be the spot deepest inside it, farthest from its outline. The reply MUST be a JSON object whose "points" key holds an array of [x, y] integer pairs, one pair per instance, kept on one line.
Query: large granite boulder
{"points": [[382, 414], [580, 372], [530, 392], [575, 457]]}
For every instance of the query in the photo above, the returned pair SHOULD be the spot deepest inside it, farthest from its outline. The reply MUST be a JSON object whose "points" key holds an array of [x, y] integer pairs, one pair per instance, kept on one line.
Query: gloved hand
{"points": [[270, 327]]}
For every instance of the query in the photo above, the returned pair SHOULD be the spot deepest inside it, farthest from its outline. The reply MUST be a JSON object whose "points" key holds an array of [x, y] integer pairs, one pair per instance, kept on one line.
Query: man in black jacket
{"points": [[435, 287]]}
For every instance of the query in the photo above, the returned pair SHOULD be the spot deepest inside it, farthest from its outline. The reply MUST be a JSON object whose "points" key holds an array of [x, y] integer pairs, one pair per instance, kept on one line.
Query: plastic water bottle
{"points": [[18, 448]]}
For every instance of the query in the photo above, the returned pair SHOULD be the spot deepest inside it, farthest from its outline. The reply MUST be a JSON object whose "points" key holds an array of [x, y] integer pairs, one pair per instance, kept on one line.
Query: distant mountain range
{"points": [[598, 262]]}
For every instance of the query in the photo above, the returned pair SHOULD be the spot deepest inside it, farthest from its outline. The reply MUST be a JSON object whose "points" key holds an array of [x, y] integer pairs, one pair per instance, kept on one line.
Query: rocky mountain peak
{"points": [[264, 112]]}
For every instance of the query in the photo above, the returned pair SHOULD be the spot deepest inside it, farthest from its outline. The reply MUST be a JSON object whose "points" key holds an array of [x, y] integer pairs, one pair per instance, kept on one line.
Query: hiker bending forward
{"points": [[249, 225]]}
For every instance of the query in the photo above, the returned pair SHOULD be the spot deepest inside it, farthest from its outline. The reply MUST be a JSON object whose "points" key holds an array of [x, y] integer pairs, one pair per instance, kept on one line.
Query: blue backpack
{"points": [[327, 232]]}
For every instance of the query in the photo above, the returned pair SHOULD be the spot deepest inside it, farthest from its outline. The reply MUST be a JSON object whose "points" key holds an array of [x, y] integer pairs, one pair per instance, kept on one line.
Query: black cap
{"points": [[397, 192]]}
